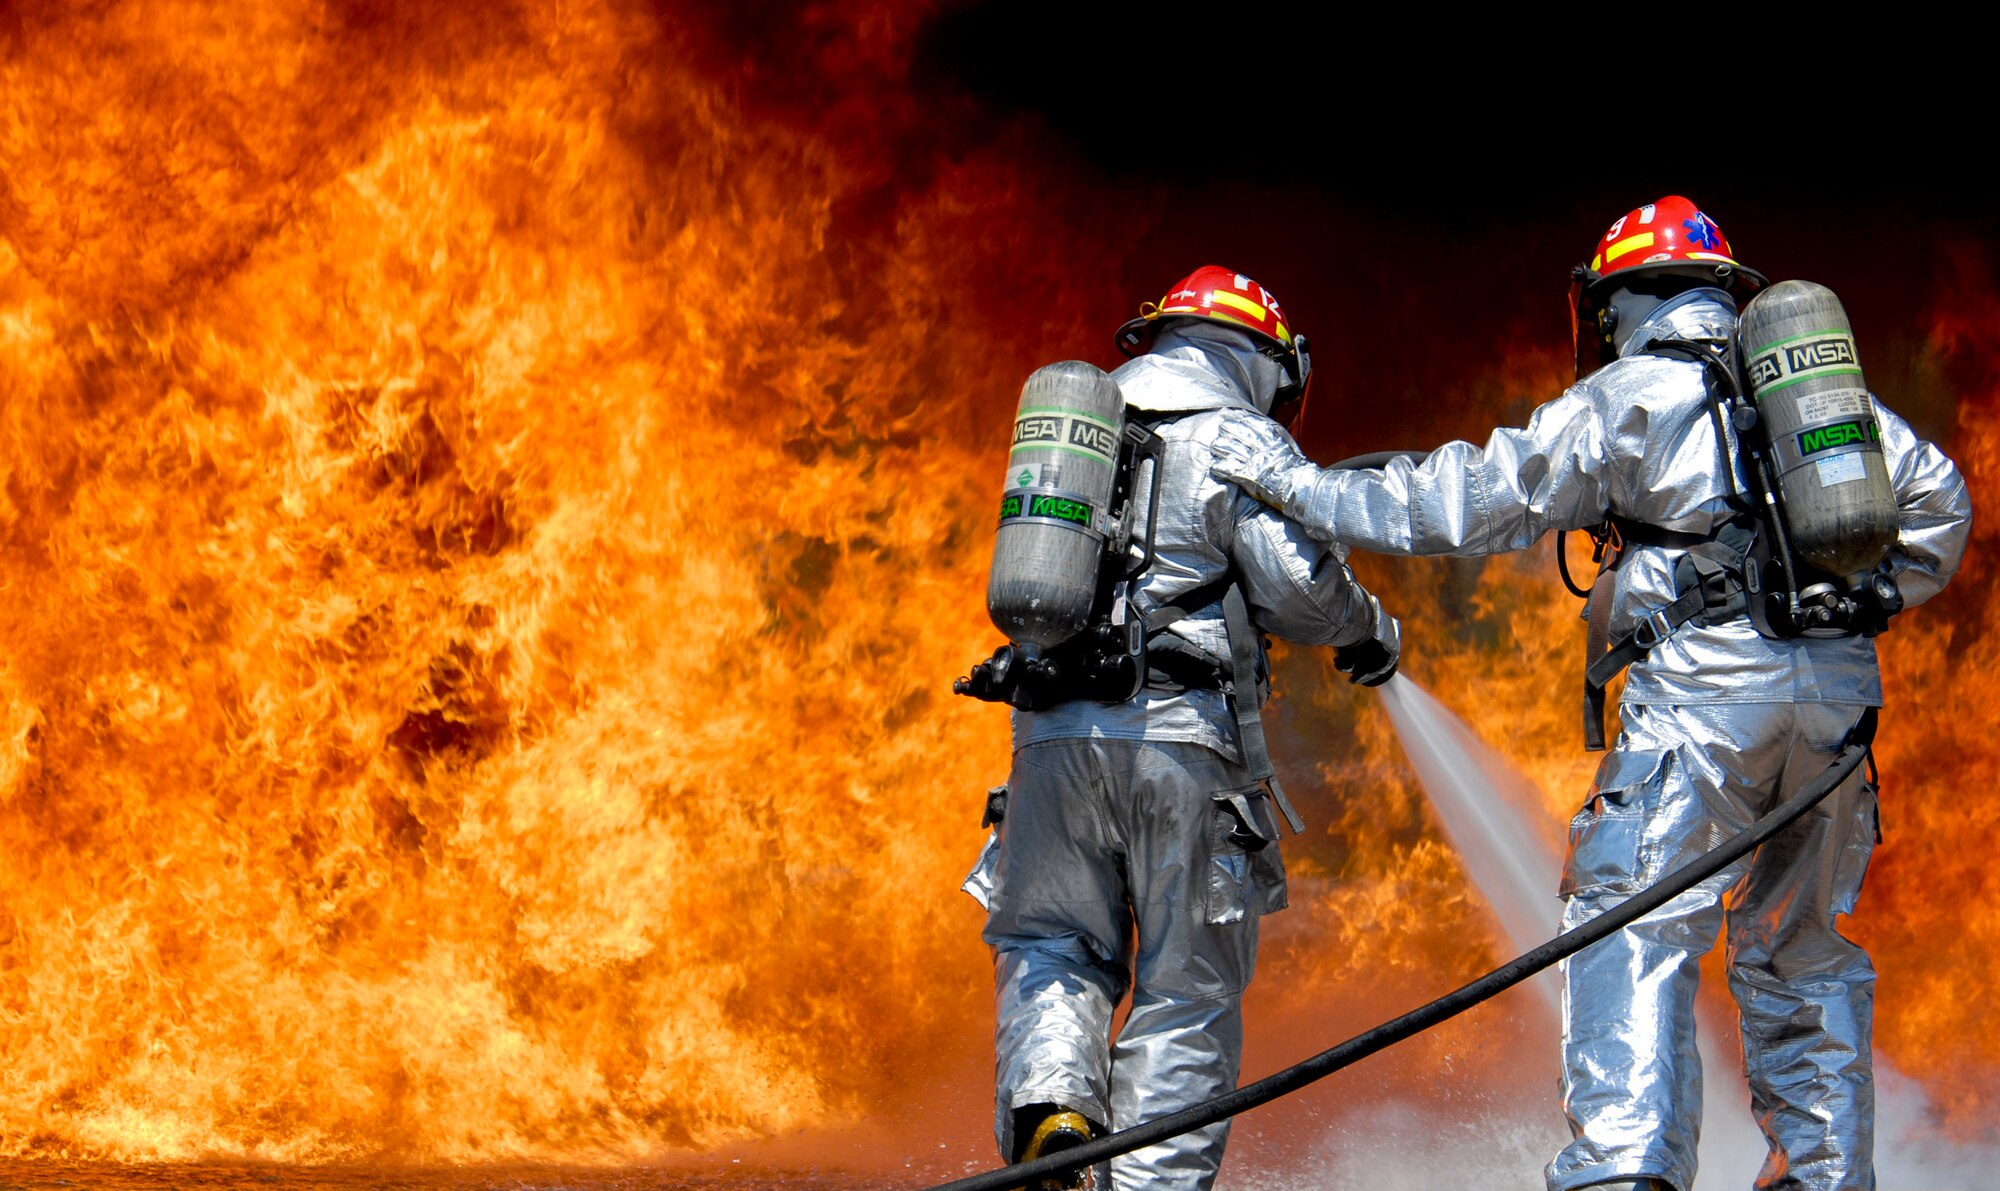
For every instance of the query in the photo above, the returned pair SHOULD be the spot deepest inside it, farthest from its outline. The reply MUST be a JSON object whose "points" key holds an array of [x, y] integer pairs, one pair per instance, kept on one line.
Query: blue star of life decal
{"points": [[1702, 230]]}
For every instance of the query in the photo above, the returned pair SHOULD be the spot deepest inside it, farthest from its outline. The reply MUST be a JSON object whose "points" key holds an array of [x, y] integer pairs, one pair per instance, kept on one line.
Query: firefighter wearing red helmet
{"points": [[1723, 715], [1137, 846]]}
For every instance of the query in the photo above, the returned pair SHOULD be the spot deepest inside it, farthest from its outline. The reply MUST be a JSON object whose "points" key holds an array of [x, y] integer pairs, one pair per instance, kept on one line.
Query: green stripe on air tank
{"points": [[1072, 413], [1057, 446], [1822, 334], [1815, 374]]}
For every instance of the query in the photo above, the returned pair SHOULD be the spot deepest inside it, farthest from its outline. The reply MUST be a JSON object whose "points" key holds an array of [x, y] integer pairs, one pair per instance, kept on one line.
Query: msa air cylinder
{"points": [[1061, 474], [1798, 359]]}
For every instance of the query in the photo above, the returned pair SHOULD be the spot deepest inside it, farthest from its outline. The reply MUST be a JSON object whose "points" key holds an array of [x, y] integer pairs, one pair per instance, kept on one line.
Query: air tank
{"points": [[1833, 483], [1061, 474]]}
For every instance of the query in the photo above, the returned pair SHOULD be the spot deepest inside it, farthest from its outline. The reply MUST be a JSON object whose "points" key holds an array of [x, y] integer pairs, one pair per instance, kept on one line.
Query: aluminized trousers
{"points": [[1123, 865], [1681, 780]]}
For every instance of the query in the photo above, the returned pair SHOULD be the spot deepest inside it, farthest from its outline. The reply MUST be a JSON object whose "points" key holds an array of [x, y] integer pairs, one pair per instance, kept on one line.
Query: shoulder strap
{"points": [[1242, 691], [1190, 602], [1718, 381]]}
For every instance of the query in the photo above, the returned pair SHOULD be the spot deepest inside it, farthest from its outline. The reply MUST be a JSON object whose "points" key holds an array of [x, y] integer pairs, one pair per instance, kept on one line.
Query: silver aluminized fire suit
{"points": [[1719, 725], [1133, 819]]}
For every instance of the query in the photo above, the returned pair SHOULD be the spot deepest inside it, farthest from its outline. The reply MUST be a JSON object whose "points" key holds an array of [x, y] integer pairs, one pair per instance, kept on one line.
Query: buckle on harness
{"points": [[1654, 629], [1606, 538]]}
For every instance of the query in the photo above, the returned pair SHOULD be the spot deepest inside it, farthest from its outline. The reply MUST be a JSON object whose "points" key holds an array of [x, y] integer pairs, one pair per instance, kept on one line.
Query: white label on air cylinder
{"points": [[1829, 407], [1023, 475], [1841, 468]]}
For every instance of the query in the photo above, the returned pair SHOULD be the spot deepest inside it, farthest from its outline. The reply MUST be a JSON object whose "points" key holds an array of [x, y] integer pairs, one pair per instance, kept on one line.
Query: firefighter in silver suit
{"points": [[1719, 722], [1137, 849]]}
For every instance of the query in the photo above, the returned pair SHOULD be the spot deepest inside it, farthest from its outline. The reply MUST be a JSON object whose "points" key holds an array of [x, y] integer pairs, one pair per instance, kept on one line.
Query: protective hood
{"points": [[1196, 365], [1702, 315]]}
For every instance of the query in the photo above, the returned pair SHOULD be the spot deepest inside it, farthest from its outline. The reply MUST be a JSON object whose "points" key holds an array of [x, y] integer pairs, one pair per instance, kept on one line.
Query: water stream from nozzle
{"points": [[1490, 813]]}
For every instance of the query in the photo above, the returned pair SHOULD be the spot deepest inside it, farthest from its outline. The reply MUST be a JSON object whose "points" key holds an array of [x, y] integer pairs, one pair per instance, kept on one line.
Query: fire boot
{"points": [[1062, 1129]]}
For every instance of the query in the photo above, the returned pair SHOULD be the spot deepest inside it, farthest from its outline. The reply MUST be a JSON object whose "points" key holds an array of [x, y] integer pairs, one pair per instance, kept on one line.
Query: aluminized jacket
{"points": [[1129, 858], [1718, 726]]}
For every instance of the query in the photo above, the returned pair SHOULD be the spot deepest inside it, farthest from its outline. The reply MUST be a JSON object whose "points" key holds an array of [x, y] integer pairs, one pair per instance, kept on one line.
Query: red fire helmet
{"points": [[1211, 292], [1672, 235], [1228, 297], [1672, 238]]}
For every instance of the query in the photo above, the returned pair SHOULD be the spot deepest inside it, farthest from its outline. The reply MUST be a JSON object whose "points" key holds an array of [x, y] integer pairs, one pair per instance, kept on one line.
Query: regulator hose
{"points": [[1853, 751]]}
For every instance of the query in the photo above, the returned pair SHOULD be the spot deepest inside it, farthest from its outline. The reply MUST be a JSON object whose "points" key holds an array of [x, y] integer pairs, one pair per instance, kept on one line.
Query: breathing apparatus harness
{"points": [[1744, 568], [1117, 656]]}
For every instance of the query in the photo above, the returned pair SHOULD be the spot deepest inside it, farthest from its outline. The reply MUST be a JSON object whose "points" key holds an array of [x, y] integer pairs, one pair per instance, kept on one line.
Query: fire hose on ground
{"points": [[1854, 750]]}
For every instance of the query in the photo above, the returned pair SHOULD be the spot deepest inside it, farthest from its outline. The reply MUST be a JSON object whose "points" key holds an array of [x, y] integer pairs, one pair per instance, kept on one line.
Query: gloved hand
{"points": [[1268, 467], [1372, 662]]}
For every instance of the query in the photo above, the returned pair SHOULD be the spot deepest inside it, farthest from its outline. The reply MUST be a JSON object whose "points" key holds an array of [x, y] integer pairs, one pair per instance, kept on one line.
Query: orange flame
{"points": [[483, 526]]}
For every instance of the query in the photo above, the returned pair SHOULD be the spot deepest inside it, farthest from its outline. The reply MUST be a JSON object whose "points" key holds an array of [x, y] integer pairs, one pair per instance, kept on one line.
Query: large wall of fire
{"points": [[493, 500]]}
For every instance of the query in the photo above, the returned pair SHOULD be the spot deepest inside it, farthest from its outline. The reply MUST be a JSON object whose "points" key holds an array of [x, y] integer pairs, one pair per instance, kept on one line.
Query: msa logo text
{"points": [[1093, 438], [1821, 353], [1060, 508], [1038, 429], [1795, 359], [1840, 434]]}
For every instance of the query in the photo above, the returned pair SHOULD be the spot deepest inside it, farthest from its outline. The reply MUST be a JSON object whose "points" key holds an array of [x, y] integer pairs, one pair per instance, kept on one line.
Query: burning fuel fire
{"points": [[493, 502]]}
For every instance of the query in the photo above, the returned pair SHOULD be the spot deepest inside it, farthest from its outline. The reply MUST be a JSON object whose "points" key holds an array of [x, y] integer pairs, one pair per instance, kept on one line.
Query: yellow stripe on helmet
{"points": [[1628, 244], [1223, 297]]}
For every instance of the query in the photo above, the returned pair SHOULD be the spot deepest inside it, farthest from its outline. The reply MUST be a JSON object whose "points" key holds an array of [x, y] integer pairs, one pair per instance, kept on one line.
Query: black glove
{"points": [[1369, 663]]}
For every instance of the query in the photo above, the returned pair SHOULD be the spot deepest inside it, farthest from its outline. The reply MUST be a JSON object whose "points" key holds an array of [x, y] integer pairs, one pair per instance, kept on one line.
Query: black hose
{"points": [[1376, 459], [1562, 566], [1359, 1047]]}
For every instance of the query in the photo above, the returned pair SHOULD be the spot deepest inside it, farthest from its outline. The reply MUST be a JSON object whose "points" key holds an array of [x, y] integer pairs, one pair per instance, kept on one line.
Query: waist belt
{"points": [[1174, 664], [1712, 585]]}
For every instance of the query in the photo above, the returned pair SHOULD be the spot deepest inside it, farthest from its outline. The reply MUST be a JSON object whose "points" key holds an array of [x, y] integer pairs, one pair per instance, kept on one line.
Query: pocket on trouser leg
{"points": [[1246, 875], [1861, 832], [1607, 837]]}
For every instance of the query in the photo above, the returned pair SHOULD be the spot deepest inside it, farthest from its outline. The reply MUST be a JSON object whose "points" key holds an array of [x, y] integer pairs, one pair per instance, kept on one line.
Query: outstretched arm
{"points": [[1554, 473]]}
